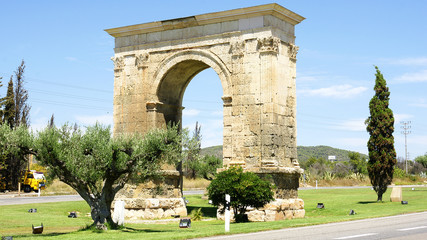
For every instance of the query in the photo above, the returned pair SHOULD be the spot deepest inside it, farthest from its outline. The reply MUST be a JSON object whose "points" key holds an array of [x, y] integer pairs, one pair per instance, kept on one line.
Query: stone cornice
{"points": [[209, 18]]}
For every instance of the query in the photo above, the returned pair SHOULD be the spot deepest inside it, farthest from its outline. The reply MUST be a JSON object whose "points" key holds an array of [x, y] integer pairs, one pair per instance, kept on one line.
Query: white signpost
{"points": [[227, 213], [119, 213]]}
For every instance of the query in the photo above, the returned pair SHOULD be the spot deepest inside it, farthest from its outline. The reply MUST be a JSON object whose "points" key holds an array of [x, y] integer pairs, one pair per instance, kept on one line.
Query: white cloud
{"points": [[354, 144], [420, 76], [357, 125], [39, 124], [337, 91], [401, 117], [190, 112], [212, 132], [418, 61], [91, 120], [419, 103]]}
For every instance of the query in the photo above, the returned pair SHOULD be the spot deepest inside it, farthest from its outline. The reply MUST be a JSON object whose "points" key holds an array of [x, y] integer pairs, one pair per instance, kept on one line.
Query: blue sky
{"points": [[69, 72]]}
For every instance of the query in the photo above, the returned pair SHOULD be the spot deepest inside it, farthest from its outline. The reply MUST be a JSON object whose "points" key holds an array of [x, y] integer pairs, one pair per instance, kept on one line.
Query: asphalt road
{"points": [[408, 226], [14, 199]]}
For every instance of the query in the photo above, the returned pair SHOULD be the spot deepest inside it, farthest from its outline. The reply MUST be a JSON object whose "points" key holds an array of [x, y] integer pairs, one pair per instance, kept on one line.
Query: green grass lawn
{"points": [[16, 221]]}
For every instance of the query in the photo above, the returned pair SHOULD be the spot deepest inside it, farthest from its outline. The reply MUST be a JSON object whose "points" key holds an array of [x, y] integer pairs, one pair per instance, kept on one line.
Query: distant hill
{"points": [[214, 150], [304, 152]]}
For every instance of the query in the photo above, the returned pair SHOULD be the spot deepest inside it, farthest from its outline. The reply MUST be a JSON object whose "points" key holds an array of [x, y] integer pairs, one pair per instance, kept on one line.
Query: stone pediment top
{"points": [[273, 9]]}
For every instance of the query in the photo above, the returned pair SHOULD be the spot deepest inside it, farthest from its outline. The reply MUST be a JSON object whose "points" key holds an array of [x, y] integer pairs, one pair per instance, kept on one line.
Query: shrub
{"points": [[246, 189], [341, 170], [398, 173], [196, 215]]}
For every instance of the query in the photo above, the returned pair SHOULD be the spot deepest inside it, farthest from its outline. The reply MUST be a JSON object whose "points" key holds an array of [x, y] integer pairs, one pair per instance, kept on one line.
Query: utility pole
{"points": [[406, 126]]}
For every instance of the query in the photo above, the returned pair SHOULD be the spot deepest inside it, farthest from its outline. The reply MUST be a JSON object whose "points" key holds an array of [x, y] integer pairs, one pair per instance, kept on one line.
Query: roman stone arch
{"points": [[253, 52]]}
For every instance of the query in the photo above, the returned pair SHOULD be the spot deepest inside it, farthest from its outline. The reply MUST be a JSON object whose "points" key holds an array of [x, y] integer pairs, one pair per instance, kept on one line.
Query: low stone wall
{"points": [[279, 209]]}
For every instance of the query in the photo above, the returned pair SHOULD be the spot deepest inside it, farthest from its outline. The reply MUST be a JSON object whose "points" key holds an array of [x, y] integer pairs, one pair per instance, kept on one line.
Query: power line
{"points": [[50, 93], [70, 105], [70, 86]]}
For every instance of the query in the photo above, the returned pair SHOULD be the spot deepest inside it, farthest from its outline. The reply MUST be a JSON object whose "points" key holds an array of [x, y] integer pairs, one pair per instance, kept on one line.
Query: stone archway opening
{"points": [[203, 108], [178, 78]]}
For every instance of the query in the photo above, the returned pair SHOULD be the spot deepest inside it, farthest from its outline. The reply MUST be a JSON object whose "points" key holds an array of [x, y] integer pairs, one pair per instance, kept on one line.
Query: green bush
{"points": [[246, 189], [399, 173], [196, 214]]}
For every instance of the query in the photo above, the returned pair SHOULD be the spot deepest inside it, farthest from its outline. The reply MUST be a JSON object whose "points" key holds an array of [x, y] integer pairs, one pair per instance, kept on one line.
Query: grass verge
{"points": [[16, 221]]}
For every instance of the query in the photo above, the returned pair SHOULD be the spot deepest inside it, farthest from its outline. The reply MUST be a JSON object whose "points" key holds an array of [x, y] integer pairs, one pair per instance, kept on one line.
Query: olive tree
{"points": [[97, 166]]}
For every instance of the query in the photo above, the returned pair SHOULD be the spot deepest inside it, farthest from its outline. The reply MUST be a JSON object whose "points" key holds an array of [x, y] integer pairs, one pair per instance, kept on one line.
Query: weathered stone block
{"points": [[152, 203], [280, 215], [396, 194], [256, 216], [289, 214], [270, 215], [299, 213], [182, 211]]}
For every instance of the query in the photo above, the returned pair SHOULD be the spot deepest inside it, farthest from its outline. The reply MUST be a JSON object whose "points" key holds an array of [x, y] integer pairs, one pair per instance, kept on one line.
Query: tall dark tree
{"points": [[9, 105], [1, 103], [16, 113], [380, 126], [22, 109], [51, 122]]}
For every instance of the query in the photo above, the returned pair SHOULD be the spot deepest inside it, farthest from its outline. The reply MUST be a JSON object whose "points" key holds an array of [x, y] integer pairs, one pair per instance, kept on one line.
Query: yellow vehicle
{"points": [[32, 181]]}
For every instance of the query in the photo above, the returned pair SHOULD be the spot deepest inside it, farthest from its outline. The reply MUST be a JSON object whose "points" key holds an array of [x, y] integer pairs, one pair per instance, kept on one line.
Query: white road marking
{"points": [[357, 236], [409, 229]]}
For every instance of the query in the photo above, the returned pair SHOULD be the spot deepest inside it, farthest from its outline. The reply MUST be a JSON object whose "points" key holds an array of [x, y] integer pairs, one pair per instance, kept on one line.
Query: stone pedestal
{"points": [[153, 200], [396, 194]]}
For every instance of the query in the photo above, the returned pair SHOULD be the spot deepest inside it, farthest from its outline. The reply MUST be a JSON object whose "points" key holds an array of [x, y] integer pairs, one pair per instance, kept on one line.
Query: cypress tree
{"points": [[380, 126], [22, 109], [9, 105]]}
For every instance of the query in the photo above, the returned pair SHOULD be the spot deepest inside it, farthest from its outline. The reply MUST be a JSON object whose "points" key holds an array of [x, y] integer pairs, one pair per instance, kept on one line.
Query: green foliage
{"points": [[196, 214], [212, 151], [357, 163], [398, 173], [208, 166], [422, 160], [194, 163], [15, 145], [9, 105], [380, 126], [97, 166], [191, 150], [246, 189]]}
